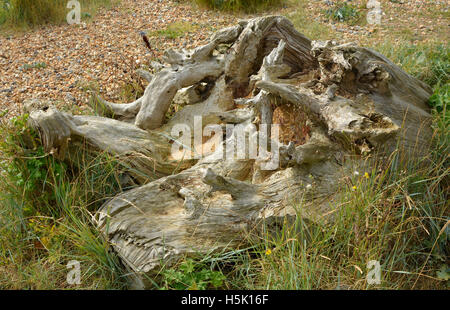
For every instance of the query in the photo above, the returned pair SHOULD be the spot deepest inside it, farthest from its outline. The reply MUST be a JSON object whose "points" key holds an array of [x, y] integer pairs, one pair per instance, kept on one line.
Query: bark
{"points": [[333, 102]]}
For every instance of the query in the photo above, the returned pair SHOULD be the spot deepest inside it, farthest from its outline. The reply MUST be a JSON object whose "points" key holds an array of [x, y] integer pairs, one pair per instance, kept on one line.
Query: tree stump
{"points": [[321, 108]]}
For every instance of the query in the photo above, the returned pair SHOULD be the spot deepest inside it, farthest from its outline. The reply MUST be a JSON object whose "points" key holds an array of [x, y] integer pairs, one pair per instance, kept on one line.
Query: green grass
{"points": [[396, 215], [46, 211], [35, 65], [25, 14], [33, 12], [247, 6], [429, 63], [343, 12], [303, 22]]}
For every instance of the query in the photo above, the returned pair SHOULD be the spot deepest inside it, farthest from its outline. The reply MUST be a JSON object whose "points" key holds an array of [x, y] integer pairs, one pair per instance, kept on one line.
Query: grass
{"points": [[174, 30], [46, 214], [428, 62], [303, 22], [247, 6], [131, 90], [344, 12], [26, 14]]}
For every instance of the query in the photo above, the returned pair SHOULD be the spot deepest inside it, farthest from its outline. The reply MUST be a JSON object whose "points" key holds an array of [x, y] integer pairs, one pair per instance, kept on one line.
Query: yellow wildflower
{"points": [[268, 251]]}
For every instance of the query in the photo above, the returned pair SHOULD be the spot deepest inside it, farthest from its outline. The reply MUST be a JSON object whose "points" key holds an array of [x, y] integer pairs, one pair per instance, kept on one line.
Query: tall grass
{"points": [[46, 211], [343, 12], [36, 12], [31, 13], [429, 63]]}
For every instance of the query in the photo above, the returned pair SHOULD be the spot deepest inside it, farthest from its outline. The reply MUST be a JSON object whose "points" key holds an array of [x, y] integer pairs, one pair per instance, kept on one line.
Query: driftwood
{"points": [[332, 103]]}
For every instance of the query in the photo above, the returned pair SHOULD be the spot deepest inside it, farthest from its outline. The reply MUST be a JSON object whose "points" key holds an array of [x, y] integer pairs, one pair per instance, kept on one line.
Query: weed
{"points": [[132, 89], [343, 12], [192, 275], [440, 99]]}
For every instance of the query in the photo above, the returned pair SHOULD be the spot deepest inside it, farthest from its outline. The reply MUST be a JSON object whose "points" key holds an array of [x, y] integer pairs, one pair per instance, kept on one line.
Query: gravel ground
{"points": [[416, 21], [107, 49]]}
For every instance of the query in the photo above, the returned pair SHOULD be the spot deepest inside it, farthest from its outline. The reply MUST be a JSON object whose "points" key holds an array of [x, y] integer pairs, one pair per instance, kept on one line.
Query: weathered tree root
{"points": [[331, 101]]}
